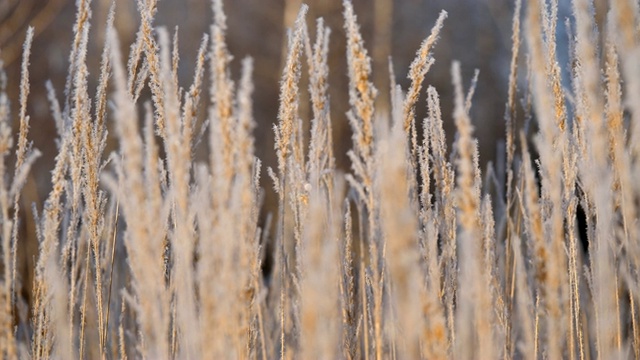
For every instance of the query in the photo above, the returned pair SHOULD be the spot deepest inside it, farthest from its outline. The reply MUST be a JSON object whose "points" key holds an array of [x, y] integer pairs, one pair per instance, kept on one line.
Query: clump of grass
{"points": [[413, 253]]}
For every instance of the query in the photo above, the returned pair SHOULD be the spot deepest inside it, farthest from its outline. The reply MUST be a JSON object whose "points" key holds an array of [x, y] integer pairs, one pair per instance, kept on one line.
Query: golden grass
{"points": [[147, 253]]}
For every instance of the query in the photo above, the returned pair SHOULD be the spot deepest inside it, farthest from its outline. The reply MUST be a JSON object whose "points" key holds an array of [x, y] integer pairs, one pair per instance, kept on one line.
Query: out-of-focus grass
{"points": [[153, 241]]}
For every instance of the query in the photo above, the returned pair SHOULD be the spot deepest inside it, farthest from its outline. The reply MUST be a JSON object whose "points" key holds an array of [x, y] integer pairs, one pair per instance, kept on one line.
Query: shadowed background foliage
{"points": [[477, 33]]}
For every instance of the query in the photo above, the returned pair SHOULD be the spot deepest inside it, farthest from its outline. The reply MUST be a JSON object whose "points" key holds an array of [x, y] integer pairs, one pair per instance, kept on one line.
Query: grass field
{"points": [[413, 252]]}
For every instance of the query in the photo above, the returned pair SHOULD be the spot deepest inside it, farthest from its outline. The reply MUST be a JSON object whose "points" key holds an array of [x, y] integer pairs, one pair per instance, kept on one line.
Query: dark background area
{"points": [[477, 33]]}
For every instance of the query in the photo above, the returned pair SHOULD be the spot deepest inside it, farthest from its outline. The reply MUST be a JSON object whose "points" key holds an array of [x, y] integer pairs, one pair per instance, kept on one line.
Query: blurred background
{"points": [[477, 33]]}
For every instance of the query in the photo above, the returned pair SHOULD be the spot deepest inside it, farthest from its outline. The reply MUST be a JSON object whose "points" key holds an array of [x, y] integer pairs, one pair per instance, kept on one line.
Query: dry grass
{"points": [[414, 253]]}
